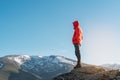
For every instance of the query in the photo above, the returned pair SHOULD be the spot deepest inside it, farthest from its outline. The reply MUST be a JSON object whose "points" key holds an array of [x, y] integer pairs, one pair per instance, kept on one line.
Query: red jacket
{"points": [[77, 36]]}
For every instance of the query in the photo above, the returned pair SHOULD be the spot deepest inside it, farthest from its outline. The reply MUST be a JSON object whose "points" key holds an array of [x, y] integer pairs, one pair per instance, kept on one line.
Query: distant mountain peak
{"points": [[20, 59], [111, 66]]}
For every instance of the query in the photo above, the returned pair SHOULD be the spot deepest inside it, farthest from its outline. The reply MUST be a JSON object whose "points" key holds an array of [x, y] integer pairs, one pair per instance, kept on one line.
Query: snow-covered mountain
{"points": [[21, 59], [49, 63], [45, 67], [111, 66]]}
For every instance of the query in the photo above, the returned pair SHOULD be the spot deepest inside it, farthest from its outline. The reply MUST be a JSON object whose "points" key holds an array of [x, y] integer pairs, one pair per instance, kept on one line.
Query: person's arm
{"points": [[73, 38], [81, 34]]}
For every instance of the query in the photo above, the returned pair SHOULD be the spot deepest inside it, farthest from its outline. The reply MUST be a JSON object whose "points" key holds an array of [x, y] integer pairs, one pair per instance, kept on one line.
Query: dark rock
{"points": [[90, 73]]}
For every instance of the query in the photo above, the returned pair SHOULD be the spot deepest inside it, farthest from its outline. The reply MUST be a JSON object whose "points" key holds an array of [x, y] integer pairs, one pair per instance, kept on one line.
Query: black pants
{"points": [[77, 52]]}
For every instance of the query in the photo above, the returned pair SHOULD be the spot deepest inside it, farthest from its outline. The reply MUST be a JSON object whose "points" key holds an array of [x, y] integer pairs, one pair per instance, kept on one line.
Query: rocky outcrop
{"points": [[90, 73]]}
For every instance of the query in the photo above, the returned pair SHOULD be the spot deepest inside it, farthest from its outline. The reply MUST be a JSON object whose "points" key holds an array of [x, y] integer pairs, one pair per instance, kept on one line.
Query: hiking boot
{"points": [[79, 65]]}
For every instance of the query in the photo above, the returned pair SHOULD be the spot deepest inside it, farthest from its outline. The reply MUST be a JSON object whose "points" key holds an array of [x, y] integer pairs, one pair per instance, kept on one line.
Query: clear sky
{"points": [[44, 27]]}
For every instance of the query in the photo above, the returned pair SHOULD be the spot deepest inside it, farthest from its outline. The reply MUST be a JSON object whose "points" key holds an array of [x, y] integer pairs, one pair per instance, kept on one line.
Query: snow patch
{"points": [[63, 60], [1, 65], [20, 59]]}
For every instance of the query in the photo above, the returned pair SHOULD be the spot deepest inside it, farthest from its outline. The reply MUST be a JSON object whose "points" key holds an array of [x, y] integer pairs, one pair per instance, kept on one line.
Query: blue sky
{"points": [[44, 27]]}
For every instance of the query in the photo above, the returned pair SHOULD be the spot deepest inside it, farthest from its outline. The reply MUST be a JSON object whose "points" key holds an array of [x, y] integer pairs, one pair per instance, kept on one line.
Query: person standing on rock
{"points": [[77, 40]]}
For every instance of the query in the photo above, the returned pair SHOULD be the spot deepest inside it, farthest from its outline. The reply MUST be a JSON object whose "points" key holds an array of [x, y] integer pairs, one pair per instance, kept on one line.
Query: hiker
{"points": [[77, 40]]}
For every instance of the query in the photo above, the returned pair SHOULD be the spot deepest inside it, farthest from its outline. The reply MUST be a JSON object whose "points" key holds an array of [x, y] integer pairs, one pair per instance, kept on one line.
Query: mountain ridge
{"points": [[45, 67]]}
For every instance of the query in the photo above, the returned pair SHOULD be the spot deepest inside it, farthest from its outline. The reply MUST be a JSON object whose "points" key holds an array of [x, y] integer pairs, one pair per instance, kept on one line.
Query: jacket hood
{"points": [[76, 24]]}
